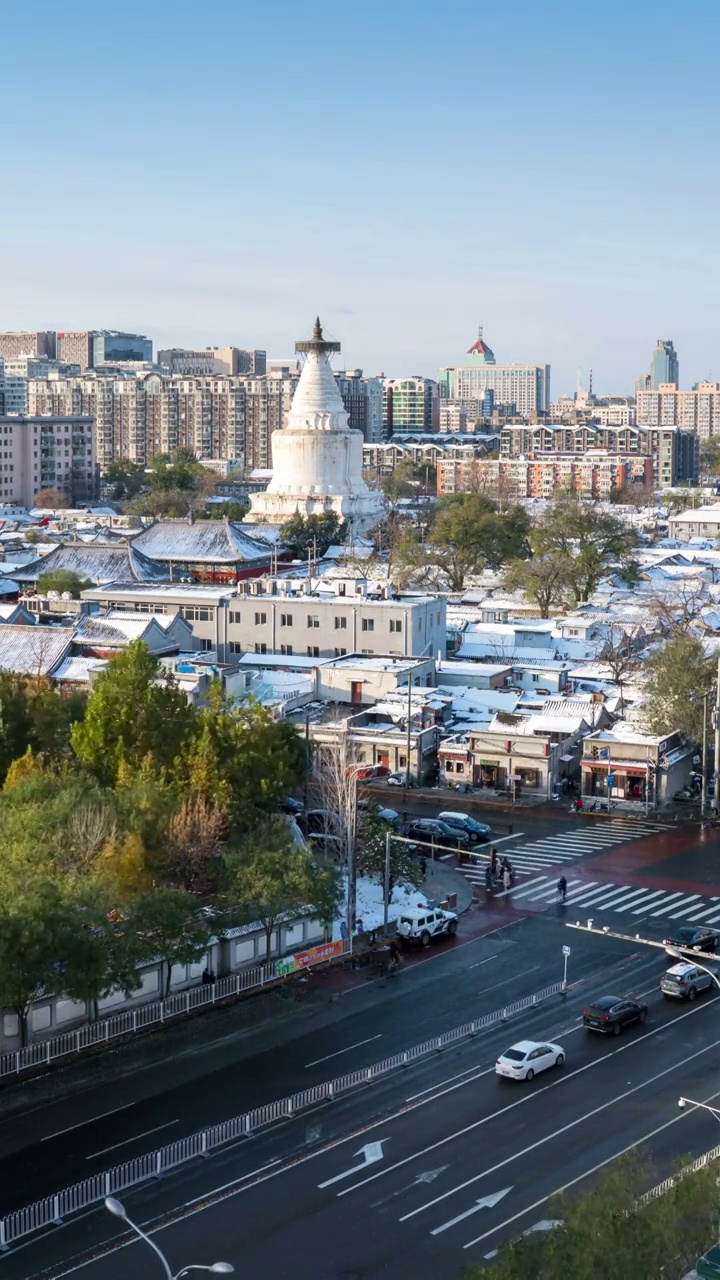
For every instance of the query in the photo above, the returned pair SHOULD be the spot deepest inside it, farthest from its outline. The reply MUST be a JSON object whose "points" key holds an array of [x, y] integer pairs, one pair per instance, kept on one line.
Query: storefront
{"points": [[619, 781], [488, 773]]}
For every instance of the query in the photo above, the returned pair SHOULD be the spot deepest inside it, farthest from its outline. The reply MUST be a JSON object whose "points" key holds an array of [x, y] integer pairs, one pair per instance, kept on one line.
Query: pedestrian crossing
{"points": [[565, 847], [622, 900]]}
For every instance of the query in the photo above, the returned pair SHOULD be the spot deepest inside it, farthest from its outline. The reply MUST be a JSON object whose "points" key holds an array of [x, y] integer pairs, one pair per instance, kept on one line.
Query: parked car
{"points": [[685, 794], [684, 981], [399, 779], [609, 1014], [473, 829], [527, 1058], [422, 924], [432, 831], [328, 846], [316, 820], [708, 1267], [689, 938], [391, 816]]}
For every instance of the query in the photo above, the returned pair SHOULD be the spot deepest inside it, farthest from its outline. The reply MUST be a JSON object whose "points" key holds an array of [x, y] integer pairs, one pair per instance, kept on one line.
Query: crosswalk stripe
{"points": [[613, 895], [584, 888], [507, 892], [587, 894], [677, 914], [527, 890], [548, 893], [710, 919], [704, 911], [650, 896], [665, 909], [628, 897]]}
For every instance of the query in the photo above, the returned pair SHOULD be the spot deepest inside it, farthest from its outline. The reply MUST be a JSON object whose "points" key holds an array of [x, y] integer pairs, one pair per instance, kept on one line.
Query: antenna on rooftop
{"points": [[590, 384]]}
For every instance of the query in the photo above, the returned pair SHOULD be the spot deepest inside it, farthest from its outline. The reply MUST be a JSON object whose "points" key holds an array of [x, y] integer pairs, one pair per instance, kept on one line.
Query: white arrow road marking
{"points": [[371, 1152], [487, 1202], [545, 1224], [429, 1176]]}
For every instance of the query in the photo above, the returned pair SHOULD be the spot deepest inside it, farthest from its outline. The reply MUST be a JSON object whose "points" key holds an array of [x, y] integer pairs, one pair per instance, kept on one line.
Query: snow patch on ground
{"points": [[369, 908]]}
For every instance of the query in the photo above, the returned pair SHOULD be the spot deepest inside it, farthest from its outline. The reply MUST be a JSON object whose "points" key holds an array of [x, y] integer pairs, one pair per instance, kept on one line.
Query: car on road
{"points": [[390, 816], [684, 981], [432, 831], [473, 829], [422, 924], [609, 1014], [527, 1058], [691, 938], [399, 779]]}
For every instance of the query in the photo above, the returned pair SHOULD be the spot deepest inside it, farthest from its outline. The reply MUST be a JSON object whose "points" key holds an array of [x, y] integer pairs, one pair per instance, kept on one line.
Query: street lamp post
{"points": [[690, 1102], [117, 1209]]}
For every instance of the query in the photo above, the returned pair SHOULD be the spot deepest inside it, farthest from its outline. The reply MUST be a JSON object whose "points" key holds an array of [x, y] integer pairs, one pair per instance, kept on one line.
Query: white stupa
{"points": [[317, 459]]}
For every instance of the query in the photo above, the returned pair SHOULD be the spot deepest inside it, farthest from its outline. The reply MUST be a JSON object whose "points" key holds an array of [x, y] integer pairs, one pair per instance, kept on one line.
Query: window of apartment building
{"points": [[261, 648], [313, 651], [286, 649], [233, 616], [536, 678], [285, 619], [368, 624], [396, 624], [367, 650], [260, 620], [341, 589], [341, 624], [206, 645], [574, 631], [340, 653], [313, 620], [235, 646]]}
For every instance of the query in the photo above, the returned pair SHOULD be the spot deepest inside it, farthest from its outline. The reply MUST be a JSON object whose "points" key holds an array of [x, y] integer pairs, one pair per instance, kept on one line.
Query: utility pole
{"points": [[716, 726], [352, 865], [386, 893], [307, 769], [703, 784], [409, 732]]}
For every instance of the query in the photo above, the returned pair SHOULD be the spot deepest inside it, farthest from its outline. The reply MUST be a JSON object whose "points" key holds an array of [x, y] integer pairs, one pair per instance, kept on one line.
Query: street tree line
{"points": [[135, 825]]}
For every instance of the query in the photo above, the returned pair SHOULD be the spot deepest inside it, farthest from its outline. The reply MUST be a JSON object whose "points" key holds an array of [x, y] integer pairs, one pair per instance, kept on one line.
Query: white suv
{"points": [[422, 924]]}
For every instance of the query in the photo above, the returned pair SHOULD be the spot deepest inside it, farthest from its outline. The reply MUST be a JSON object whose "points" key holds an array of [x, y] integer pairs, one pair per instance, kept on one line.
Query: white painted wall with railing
{"points": [[53, 1209], [146, 1015]]}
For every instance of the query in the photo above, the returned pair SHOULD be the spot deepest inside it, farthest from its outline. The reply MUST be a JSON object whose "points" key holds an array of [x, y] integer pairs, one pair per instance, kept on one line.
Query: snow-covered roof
{"points": [[33, 650], [206, 541], [116, 632], [532, 725], [96, 563], [77, 668], [708, 515]]}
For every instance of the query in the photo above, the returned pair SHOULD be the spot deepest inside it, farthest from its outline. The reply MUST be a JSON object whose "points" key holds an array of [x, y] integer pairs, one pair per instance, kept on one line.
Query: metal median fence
{"points": [[54, 1209], [160, 1011]]}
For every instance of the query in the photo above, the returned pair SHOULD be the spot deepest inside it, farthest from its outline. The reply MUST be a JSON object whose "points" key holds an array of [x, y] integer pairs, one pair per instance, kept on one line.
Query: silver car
{"points": [[684, 981]]}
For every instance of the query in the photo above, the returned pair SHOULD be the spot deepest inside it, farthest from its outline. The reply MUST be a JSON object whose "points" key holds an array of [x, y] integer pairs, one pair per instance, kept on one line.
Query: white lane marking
{"points": [[432, 1087], [612, 895], [709, 919], [660, 893], [578, 895], [525, 891], [538, 880], [505, 981], [628, 897], [479, 962], [529, 1096], [371, 1153], [663, 910], [632, 1146], [549, 893], [79, 1125], [675, 915], [650, 896], [357, 1045], [487, 1202], [243, 1178], [550, 1137], [138, 1136], [503, 839]]}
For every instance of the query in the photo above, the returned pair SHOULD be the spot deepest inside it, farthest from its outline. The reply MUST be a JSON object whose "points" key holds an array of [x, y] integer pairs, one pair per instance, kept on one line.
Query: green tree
{"points": [[271, 877], [169, 923], [127, 477], [372, 833], [610, 1232], [32, 921], [314, 534], [677, 675], [544, 579], [471, 535], [591, 541], [228, 510], [131, 716], [100, 951], [63, 580], [710, 457]]}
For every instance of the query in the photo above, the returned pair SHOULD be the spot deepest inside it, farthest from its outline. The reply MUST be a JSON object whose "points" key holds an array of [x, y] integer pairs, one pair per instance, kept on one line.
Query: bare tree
{"points": [[90, 829], [336, 767], [621, 657], [677, 609]]}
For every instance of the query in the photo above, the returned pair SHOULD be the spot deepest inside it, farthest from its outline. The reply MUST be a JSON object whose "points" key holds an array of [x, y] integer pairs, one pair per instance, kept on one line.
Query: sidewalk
{"points": [[442, 880]]}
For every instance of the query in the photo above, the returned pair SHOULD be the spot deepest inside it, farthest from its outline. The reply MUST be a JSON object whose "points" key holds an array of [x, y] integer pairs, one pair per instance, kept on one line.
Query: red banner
{"points": [[324, 952]]}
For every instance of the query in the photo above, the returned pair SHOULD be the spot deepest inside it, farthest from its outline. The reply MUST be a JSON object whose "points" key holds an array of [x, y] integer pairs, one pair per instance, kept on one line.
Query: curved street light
{"points": [[678, 955], [117, 1209], [690, 1102]]}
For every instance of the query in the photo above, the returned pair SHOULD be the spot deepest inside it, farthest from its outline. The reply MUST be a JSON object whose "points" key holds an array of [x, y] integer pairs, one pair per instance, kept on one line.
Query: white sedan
{"points": [[526, 1058]]}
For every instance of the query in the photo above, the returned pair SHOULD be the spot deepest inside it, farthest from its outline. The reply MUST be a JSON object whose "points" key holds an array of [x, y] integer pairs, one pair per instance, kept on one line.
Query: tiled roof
{"points": [[77, 668], [117, 631], [98, 564], [209, 541], [33, 650]]}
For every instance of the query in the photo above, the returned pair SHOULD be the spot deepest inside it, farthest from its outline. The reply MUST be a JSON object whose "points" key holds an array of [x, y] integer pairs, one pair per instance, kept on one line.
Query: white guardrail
{"points": [[153, 1014], [694, 1167], [54, 1209]]}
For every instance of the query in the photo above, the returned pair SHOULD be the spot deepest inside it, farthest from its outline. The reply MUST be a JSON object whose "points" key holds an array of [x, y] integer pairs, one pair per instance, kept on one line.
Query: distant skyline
{"points": [[214, 177]]}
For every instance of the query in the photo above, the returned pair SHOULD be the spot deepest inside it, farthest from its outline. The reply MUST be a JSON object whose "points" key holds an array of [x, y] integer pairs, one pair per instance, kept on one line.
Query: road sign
{"points": [[566, 951], [487, 1202], [372, 1152]]}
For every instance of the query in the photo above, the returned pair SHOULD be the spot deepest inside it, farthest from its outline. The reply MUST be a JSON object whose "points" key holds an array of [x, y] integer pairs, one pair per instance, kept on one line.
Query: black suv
{"points": [[432, 831], [610, 1014], [690, 938]]}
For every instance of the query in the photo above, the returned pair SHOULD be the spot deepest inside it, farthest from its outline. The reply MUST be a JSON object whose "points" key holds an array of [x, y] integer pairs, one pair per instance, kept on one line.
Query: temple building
{"points": [[317, 458]]}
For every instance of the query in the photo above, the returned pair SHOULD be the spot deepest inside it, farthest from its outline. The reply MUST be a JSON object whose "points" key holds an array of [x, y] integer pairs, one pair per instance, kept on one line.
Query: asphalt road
{"points": [[434, 1167]]}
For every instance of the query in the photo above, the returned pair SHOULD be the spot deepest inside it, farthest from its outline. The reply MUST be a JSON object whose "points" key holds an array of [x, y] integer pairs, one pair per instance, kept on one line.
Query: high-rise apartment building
{"points": [[211, 360], [518, 390], [696, 410], [21, 343], [675, 453], [363, 400], [90, 348], [46, 453], [410, 404]]}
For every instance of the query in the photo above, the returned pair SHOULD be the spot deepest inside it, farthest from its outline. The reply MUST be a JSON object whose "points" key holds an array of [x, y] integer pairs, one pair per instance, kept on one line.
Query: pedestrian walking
{"points": [[562, 887], [488, 877], [507, 878], [493, 861]]}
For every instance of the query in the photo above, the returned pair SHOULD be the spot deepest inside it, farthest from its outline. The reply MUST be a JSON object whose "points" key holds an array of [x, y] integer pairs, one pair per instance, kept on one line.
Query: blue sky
{"points": [[217, 175]]}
